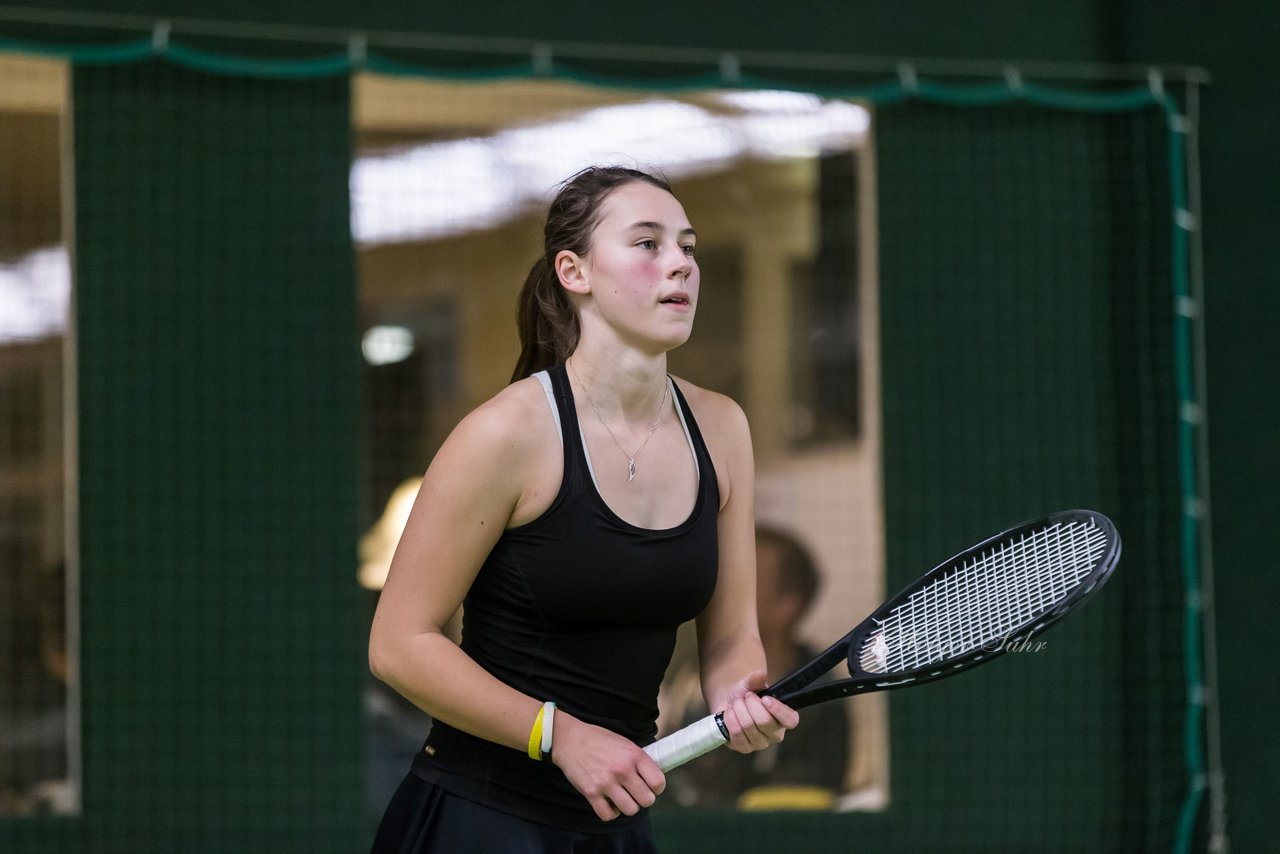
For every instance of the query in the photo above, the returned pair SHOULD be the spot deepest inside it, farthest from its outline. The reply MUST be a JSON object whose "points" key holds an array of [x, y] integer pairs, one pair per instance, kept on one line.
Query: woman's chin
{"points": [[676, 338]]}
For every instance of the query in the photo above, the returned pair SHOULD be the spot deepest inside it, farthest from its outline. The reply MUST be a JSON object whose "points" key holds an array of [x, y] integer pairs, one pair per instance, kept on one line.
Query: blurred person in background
{"points": [[807, 771], [33, 697]]}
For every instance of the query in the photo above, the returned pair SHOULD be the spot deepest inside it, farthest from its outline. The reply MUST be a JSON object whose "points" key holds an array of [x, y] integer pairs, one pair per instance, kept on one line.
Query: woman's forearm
{"points": [[438, 677], [613, 774], [724, 666]]}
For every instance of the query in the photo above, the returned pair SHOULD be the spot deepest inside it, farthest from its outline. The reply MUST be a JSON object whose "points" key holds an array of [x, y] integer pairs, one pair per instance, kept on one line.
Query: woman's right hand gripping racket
{"points": [[962, 613]]}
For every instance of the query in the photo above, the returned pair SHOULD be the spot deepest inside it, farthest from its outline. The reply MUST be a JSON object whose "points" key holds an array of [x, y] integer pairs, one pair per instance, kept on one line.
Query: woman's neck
{"points": [[622, 384]]}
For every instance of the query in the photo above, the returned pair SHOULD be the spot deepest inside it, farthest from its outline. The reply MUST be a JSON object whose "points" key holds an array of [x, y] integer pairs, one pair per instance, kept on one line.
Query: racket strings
{"points": [[1018, 579], [980, 602]]}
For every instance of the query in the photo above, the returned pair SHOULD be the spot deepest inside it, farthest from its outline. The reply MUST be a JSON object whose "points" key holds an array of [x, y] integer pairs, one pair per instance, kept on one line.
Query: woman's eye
{"points": [[689, 249], [648, 244]]}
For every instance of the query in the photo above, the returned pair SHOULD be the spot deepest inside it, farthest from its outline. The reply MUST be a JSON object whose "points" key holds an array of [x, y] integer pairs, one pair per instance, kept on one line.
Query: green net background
{"points": [[218, 413], [1026, 366]]}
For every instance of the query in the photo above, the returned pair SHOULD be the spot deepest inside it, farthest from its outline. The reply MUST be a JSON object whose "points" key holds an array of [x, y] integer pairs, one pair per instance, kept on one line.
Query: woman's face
{"points": [[641, 269]]}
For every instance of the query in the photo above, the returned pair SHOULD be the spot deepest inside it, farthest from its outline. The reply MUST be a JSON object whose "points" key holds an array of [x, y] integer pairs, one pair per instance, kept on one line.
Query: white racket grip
{"points": [[691, 742]]}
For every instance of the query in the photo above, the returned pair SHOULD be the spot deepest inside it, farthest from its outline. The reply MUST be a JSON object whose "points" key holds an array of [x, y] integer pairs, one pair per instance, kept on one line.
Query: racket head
{"points": [[985, 600]]}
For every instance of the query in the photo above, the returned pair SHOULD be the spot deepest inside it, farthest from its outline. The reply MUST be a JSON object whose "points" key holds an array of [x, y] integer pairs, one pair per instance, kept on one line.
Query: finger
{"points": [[737, 741], [652, 775], [640, 792], [752, 738], [782, 713], [622, 800], [763, 728], [756, 680], [765, 724], [604, 810]]}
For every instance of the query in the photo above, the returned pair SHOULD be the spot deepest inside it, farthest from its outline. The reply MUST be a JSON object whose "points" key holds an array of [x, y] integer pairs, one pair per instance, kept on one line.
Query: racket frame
{"points": [[711, 732], [791, 689]]}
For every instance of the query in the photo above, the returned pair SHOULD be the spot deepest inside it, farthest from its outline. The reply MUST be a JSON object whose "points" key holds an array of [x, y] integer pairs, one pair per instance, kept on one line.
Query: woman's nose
{"points": [[683, 264]]}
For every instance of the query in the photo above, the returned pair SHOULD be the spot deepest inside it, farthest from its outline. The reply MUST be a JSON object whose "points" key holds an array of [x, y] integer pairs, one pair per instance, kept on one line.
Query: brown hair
{"points": [[546, 319]]}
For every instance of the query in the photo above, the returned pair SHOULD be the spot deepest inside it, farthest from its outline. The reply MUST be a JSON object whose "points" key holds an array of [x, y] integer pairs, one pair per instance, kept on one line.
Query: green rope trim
{"points": [[1189, 419], [674, 84], [904, 89], [395, 68], [210, 62], [111, 54]]}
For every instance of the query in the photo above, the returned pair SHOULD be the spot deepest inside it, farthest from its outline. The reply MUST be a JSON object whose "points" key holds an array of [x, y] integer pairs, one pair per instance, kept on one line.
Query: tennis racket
{"points": [[964, 612]]}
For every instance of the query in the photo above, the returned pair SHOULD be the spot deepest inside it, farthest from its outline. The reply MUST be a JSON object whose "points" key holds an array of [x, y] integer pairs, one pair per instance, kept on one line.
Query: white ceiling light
{"points": [[35, 291], [386, 345], [438, 189]]}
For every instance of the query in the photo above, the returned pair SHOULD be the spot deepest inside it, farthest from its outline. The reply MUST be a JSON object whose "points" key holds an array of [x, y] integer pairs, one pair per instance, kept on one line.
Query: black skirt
{"points": [[422, 818]]}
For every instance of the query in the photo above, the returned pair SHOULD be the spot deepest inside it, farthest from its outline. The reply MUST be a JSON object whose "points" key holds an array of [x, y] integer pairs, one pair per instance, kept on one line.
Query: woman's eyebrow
{"points": [[657, 226]]}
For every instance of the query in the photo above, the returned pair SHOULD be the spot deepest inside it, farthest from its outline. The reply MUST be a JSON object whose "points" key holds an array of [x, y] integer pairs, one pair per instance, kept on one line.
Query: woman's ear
{"points": [[571, 270]]}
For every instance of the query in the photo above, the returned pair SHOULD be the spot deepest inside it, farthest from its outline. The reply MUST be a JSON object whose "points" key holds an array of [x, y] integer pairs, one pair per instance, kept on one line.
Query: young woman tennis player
{"points": [[581, 515]]}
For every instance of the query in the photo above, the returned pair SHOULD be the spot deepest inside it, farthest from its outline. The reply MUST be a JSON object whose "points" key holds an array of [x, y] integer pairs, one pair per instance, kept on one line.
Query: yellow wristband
{"points": [[535, 736]]}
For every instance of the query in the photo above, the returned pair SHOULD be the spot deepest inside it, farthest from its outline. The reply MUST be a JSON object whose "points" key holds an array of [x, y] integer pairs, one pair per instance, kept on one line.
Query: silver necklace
{"points": [[631, 458]]}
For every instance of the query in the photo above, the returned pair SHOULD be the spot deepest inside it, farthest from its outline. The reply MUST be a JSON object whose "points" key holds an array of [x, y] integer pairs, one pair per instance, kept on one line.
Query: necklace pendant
{"points": [[631, 470]]}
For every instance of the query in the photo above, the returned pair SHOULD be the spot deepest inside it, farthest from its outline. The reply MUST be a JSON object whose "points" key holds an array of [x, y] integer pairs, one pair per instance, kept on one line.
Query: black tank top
{"points": [[580, 607]]}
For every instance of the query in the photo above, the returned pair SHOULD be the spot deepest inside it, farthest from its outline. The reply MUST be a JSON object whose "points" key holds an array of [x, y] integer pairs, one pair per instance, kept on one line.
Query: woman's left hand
{"points": [[755, 722]]}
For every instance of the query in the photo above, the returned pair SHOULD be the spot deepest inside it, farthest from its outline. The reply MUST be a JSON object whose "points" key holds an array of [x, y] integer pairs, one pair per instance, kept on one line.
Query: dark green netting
{"points": [[217, 418], [1027, 364]]}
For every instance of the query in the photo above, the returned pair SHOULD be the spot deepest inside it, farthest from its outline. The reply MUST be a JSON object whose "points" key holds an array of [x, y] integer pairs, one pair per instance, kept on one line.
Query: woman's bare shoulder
{"points": [[716, 413], [508, 421]]}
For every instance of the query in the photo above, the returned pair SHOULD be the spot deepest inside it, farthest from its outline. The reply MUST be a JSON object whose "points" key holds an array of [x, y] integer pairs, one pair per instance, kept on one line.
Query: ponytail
{"points": [[547, 322]]}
